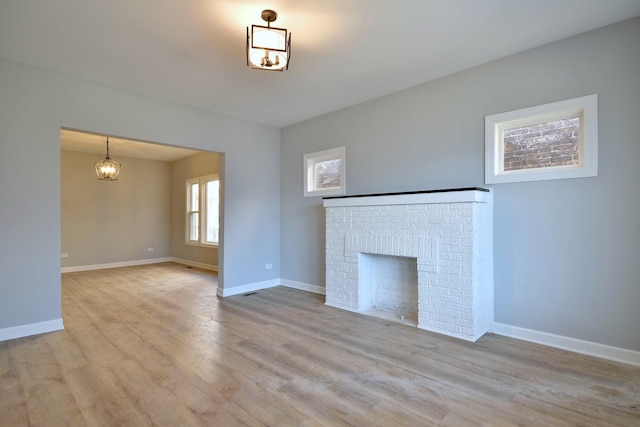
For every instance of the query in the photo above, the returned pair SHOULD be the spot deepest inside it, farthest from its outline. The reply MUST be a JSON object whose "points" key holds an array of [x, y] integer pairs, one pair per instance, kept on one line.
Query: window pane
{"points": [[195, 195], [193, 226], [543, 145], [213, 195], [328, 174]]}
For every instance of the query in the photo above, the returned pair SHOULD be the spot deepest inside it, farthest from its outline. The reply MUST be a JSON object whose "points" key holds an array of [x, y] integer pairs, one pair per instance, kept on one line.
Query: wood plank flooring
{"points": [[154, 345]]}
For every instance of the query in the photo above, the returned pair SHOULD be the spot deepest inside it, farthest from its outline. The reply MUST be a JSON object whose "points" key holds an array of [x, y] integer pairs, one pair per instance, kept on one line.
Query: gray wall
{"points": [[106, 222], [566, 251], [190, 167], [35, 104]]}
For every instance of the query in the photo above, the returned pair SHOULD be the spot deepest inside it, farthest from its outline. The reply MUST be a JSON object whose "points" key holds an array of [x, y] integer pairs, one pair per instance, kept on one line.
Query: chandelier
{"points": [[107, 169], [268, 48]]}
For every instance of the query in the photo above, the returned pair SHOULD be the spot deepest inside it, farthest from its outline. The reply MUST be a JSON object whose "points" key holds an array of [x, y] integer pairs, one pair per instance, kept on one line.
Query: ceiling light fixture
{"points": [[107, 169], [268, 48]]}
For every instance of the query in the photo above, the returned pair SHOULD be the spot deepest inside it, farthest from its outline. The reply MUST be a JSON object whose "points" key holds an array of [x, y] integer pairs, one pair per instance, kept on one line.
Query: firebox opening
{"points": [[388, 287]]}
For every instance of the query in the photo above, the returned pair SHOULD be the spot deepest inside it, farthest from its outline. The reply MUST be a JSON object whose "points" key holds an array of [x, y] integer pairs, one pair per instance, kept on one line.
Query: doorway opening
{"points": [[142, 217]]}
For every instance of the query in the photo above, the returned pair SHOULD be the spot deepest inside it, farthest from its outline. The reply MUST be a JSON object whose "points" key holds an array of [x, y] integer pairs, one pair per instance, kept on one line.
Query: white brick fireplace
{"points": [[424, 258]]}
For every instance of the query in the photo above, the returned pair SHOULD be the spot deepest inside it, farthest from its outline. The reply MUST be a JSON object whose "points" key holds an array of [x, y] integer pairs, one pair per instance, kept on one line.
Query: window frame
{"points": [[204, 180], [189, 211], [587, 109], [202, 210], [309, 162]]}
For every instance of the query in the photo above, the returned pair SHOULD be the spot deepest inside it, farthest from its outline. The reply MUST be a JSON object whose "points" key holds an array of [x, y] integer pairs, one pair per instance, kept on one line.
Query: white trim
{"points": [[303, 286], [204, 197], [603, 351], [411, 199], [195, 264], [251, 287], [114, 265], [31, 329], [188, 183], [202, 245]]}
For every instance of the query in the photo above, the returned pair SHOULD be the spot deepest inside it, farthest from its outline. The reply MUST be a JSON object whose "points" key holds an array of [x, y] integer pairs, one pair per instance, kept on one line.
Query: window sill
{"points": [[202, 245]]}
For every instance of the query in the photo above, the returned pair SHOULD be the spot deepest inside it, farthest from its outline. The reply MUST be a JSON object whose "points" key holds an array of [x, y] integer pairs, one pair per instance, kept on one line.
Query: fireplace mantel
{"points": [[445, 235], [454, 195]]}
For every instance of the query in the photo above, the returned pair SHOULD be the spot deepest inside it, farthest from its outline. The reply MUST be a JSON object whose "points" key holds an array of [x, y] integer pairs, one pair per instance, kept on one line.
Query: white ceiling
{"points": [[119, 147], [343, 51]]}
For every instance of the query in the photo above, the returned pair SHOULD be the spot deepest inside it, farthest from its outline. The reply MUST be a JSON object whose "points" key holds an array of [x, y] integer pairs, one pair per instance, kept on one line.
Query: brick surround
{"points": [[450, 236]]}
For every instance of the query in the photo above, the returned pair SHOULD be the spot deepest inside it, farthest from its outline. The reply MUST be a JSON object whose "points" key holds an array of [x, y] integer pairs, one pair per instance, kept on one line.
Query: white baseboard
{"points": [[31, 329], [303, 286], [114, 265], [195, 264], [251, 287], [603, 351]]}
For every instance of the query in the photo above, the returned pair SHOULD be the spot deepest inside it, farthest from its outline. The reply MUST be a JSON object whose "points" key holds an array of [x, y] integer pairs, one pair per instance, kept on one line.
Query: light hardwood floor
{"points": [[154, 345]]}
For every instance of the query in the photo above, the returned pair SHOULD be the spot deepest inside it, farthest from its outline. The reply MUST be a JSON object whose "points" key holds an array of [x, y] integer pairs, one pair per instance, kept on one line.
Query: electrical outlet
{"points": [[64, 255], [149, 249], [268, 266]]}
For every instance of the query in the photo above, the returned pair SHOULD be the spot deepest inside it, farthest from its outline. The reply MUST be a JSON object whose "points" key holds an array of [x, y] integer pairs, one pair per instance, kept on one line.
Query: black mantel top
{"points": [[409, 192]]}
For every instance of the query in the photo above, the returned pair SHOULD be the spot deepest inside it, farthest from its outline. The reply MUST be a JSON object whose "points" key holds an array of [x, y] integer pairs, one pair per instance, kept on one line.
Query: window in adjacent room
{"points": [[202, 210], [551, 141], [324, 172]]}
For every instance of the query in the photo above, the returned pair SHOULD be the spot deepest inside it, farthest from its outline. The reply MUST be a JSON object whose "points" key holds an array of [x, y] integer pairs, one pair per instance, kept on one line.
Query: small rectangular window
{"points": [[543, 145], [324, 172], [551, 141], [327, 174]]}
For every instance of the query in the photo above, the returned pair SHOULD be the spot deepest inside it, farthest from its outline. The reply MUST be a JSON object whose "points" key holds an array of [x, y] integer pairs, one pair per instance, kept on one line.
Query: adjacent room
{"points": [[319, 213], [147, 214]]}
